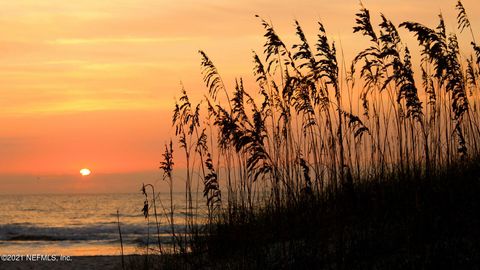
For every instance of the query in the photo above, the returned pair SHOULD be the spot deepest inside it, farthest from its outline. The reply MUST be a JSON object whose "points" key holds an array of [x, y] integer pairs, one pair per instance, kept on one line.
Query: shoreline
{"points": [[103, 262]]}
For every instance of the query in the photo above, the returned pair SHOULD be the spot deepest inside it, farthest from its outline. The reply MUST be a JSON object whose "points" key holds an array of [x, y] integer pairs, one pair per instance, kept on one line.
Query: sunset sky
{"points": [[92, 83]]}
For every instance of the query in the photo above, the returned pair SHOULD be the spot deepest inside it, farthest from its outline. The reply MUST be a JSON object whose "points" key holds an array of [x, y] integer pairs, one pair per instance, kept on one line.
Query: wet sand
{"points": [[78, 262]]}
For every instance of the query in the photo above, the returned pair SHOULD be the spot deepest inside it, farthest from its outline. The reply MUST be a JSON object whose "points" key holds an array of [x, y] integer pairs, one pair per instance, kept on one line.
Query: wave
{"points": [[126, 215], [35, 238], [131, 233]]}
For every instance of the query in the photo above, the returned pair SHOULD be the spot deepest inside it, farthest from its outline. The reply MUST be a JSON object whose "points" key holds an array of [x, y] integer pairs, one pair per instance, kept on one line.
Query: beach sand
{"points": [[79, 262]]}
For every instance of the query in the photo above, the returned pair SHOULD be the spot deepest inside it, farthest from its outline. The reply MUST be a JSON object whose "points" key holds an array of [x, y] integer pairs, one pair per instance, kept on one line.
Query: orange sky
{"points": [[91, 83]]}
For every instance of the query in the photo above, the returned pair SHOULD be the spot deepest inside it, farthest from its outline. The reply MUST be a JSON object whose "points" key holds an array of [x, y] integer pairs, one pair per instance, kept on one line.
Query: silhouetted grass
{"points": [[313, 183]]}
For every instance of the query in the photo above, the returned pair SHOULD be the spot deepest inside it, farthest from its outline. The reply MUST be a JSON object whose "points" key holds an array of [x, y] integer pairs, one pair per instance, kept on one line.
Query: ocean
{"points": [[75, 225]]}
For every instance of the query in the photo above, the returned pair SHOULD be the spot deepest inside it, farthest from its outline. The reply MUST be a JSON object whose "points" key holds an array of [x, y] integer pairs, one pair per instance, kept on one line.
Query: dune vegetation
{"points": [[372, 164]]}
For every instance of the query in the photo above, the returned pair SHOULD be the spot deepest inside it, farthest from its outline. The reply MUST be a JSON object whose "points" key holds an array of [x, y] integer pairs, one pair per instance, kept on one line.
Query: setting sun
{"points": [[85, 172]]}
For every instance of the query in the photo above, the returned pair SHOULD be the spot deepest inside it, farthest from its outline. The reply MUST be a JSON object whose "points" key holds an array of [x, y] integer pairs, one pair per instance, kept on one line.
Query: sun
{"points": [[85, 172]]}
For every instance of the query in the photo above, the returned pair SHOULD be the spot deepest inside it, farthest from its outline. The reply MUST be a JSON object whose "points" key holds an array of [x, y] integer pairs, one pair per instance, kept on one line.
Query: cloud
{"points": [[81, 41]]}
